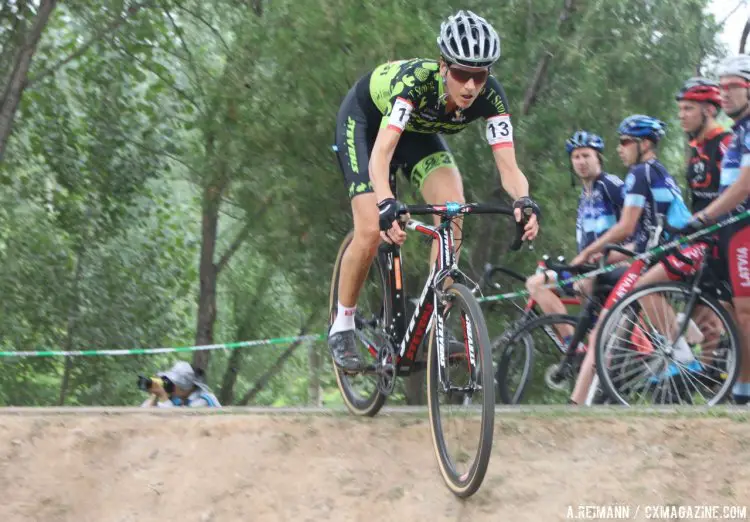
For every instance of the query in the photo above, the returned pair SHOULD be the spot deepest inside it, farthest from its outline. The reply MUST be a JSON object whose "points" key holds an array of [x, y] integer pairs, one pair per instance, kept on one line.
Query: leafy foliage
{"points": [[151, 131]]}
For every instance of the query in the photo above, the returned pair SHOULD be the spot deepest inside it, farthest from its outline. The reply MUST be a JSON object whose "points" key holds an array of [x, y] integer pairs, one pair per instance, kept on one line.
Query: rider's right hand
{"points": [[390, 229]]}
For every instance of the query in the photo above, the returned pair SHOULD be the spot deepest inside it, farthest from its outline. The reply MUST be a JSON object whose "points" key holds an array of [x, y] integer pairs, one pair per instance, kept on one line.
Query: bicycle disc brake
{"points": [[386, 368]]}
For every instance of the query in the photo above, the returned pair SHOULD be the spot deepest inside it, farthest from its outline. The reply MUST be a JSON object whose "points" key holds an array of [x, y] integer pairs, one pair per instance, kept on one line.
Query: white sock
{"points": [[344, 319]]}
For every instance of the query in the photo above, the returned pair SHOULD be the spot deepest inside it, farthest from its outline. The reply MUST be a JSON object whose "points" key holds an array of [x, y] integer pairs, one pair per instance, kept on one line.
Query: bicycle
{"points": [[639, 360], [456, 369], [512, 376]]}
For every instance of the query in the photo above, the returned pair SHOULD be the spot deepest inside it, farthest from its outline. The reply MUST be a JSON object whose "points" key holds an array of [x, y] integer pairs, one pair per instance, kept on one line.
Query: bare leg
{"points": [[441, 185], [361, 251]]}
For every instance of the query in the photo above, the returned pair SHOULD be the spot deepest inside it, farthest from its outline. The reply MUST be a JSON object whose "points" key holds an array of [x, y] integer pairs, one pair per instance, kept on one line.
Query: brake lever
{"points": [[520, 225]]}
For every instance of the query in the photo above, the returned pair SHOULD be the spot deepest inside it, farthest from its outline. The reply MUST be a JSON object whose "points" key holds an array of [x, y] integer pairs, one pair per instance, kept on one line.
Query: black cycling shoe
{"points": [[343, 346]]}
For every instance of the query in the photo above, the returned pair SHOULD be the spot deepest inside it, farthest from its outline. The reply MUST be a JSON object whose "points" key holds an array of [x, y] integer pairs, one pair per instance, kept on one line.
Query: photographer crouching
{"points": [[181, 385]]}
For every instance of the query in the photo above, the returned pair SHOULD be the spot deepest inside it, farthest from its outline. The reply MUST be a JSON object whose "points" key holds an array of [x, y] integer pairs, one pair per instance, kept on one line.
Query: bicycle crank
{"points": [[386, 369]]}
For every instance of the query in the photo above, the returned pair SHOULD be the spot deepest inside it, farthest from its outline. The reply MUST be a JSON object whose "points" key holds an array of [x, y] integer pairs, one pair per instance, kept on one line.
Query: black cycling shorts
{"points": [[357, 125]]}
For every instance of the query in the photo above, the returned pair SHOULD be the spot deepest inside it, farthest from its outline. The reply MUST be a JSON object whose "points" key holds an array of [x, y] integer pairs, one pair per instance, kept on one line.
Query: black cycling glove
{"points": [[388, 209], [526, 202]]}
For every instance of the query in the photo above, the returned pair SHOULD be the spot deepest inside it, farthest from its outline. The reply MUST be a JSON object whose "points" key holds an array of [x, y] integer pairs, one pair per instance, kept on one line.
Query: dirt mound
{"points": [[120, 467]]}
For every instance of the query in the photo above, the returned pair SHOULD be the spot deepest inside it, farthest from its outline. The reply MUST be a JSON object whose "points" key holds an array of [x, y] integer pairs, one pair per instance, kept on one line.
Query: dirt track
{"points": [[145, 467]]}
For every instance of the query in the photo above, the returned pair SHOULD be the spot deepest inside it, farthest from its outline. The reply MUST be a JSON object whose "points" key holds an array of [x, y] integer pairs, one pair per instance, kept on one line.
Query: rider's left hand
{"points": [[531, 228]]}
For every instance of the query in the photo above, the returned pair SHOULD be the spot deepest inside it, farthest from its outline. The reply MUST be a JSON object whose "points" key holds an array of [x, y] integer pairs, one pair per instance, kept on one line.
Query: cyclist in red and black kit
{"points": [[395, 115], [699, 102], [734, 84]]}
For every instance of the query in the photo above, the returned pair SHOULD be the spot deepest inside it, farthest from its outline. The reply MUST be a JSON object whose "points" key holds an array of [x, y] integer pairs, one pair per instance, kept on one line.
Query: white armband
{"points": [[500, 131], [400, 114]]}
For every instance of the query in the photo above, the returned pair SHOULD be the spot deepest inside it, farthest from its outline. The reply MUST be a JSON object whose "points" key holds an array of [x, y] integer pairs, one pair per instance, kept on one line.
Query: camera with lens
{"points": [[146, 383]]}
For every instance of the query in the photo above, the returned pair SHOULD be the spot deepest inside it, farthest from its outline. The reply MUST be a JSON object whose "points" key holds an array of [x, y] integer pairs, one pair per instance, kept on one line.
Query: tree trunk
{"points": [[234, 365], [245, 330], [209, 269], [207, 273], [13, 91], [70, 330]]}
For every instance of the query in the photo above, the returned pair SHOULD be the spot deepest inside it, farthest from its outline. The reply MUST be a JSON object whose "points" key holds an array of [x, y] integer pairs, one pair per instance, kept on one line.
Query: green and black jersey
{"points": [[409, 95]]}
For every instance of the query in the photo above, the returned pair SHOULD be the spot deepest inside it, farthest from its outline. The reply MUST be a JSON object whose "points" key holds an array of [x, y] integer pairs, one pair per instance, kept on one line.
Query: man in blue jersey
{"points": [[649, 191], [599, 208]]}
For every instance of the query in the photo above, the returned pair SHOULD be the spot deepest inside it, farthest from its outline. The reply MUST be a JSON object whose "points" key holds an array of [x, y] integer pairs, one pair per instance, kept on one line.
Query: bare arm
{"points": [[512, 179], [380, 161]]}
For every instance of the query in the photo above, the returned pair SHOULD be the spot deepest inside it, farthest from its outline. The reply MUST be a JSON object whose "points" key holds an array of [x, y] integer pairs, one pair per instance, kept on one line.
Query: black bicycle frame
{"points": [[407, 337]]}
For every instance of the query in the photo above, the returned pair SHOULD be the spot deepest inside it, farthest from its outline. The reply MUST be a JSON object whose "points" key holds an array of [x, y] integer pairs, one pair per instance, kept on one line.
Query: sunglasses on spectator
{"points": [[463, 75]]}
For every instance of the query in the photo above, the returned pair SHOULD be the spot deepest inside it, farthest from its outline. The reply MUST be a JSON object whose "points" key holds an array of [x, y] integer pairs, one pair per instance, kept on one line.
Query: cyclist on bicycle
{"points": [[734, 83], [699, 102], [394, 115], [649, 190], [599, 207]]}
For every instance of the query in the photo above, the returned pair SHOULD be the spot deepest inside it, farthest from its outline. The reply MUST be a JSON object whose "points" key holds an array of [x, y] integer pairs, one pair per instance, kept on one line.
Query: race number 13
{"points": [[400, 114], [500, 131]]}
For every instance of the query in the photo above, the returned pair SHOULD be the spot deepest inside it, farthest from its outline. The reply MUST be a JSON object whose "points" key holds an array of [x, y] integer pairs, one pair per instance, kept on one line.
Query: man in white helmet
{"points": [[734, 84], [394, 115]]}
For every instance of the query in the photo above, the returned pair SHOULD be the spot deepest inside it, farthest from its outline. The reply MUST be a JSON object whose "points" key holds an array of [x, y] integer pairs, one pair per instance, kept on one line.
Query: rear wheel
{"points": [[461, 433], [360, 391]]}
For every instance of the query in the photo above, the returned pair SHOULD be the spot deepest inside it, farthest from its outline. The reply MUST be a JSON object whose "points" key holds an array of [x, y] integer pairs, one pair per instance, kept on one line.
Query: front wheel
{"points": [[516, 352], [641, 360], [460, 366]]}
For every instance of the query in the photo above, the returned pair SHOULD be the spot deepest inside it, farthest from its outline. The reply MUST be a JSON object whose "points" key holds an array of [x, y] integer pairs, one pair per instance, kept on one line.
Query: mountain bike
{"points": [[458, 359]]}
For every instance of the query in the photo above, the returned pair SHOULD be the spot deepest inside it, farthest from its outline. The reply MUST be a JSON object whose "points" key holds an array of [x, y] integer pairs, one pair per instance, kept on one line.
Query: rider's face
{"points": [[463, 84], [627, 149], [691, 115], [585, 163], [734, 93]]}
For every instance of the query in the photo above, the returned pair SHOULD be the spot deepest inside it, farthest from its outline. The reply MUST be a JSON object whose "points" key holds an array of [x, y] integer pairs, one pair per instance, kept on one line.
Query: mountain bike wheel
{"points": [[360, 391], [637, 360], [462, 465], [517, 350]]}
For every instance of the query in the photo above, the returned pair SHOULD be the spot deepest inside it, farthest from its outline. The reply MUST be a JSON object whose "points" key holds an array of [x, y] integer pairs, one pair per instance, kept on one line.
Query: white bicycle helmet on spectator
{"points": [[738, 65], [468, 39]]}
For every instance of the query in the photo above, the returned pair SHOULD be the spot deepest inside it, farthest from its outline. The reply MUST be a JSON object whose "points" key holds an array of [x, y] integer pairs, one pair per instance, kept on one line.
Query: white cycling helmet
{"points": [[468, 39], [738, 65]]}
